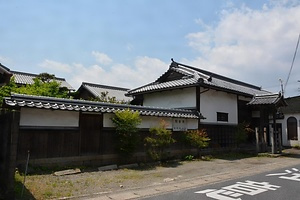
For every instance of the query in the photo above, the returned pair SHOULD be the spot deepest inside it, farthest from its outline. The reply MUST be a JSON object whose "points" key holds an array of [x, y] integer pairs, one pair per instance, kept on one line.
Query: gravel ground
{"points": [[96, 184]]}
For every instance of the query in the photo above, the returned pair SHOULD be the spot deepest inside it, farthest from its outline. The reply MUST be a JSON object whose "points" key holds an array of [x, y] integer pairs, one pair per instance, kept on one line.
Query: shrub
{"points": [[197, 138], [242, 132], [160, 138], [127, 132]]}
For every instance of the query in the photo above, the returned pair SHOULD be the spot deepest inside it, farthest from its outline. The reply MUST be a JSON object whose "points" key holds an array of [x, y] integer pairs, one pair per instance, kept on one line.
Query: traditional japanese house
{"points": [[290, 122], [221, 101], [22, 78], [90, 91]]}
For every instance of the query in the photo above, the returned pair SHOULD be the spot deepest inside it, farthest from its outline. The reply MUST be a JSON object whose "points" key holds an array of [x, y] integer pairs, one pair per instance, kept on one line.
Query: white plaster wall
{"points": [[285, 141], [50, 118], [179, 98], [150, 121], [213, 101]]}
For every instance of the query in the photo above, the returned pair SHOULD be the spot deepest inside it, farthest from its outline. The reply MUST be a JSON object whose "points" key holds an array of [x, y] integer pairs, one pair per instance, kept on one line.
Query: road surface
{"points": [[273, 185]]}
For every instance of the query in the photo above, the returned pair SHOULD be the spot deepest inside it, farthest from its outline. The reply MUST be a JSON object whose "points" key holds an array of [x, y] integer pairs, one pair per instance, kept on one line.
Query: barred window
{"points": [[222, 117]]}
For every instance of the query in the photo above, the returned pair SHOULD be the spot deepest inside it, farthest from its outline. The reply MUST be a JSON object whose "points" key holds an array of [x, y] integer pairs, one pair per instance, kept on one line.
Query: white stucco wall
{"points": [[285, 141], [150, 121], [48, 118], [179, 98], [213, 101]]}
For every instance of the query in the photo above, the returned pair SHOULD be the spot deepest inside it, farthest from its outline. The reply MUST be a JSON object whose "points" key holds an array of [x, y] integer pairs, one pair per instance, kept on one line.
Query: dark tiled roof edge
{"points": [[34, 75], [53, 102], [220, 76], [5, 68], [105, 86]]}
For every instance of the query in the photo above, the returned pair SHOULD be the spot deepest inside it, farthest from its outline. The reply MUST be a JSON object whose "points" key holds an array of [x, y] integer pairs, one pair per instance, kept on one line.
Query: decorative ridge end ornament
{"points": [[173, 63]]}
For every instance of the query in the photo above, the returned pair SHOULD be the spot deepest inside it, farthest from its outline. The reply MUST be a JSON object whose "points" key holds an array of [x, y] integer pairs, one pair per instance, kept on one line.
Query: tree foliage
{"points": [[7, 89], [44, 85], [197, 138], [160, 138], [104, 97], [44, 88], [242, 132], [127, 123]]}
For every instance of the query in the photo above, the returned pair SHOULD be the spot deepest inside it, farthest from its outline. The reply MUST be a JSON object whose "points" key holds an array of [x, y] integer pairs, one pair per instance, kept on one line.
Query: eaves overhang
{"points": [[19, 100]]}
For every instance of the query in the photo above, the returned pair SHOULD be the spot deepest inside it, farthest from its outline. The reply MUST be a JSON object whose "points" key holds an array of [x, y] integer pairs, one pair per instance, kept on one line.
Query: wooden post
{"points": [[274, 142], [11, 133], [257, 139], [280, 140], [265, 139]]}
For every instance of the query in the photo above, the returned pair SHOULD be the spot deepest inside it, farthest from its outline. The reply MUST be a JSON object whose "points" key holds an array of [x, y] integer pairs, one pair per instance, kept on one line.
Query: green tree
{"points": [[160, 138], [44, 85], [127, 123], [44, 88], [7, 89]]}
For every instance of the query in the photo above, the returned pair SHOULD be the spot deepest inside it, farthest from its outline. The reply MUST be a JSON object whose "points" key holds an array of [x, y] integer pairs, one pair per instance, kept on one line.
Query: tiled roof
{"points": [[270, 99], [191, 76], [293, 105], [27, 78], [5, 75], [19, 100], [4, 69], [117, 92]]}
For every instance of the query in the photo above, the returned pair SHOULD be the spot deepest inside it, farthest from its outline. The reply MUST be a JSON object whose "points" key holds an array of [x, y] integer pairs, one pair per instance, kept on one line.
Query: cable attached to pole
{"points": [[287, 80]]}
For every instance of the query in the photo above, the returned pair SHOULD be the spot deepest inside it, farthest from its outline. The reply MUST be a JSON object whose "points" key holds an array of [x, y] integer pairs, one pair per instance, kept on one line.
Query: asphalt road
{"points": [[273, 185]]}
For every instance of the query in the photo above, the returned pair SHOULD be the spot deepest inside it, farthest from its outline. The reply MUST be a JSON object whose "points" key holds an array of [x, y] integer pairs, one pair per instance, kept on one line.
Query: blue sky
{"points": [[129, 43]]}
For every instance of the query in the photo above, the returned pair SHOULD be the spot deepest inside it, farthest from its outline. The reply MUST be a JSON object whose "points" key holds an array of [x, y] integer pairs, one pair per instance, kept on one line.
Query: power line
{"points": [[287, 80]]}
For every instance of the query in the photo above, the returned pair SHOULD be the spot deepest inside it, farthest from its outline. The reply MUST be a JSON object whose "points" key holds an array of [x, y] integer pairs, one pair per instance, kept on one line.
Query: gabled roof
{"points": [[5, 74], [180, 76], [269, 99], [96, 90], [23, 78], [293, 105], [20, 100]]}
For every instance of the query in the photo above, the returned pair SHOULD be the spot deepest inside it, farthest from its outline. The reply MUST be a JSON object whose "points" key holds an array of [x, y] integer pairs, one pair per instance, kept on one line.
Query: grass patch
{"points": [[132, 175], [296, 146]]}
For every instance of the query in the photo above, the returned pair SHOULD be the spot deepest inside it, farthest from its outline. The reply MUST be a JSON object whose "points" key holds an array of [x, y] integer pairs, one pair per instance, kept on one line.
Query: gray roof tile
{"points": [[269, 99], [117, 92], [191, 76], [23, 78], [20, 100]]}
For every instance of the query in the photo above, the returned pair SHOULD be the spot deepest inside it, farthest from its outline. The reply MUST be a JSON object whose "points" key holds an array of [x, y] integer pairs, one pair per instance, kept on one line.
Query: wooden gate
{"points": [[90, 130]]}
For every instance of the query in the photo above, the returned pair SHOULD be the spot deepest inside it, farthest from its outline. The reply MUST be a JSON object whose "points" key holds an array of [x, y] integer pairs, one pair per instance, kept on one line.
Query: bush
{"points": [[127, 132], [197, 138], [160, 138], [242, 132]]}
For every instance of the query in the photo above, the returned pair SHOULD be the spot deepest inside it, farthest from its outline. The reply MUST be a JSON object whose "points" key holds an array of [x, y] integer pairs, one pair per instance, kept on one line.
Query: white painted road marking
{"points": [[238, 189]]}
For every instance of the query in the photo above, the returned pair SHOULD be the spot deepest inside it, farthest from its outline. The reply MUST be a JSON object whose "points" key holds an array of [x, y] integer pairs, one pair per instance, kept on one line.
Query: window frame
{"points": [[292, 128], [222, 117]]}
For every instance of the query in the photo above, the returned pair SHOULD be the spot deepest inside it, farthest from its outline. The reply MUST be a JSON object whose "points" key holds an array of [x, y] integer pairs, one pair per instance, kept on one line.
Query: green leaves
{"points": [[127, 123], [197, 138], [44, 85], [160, 138]]}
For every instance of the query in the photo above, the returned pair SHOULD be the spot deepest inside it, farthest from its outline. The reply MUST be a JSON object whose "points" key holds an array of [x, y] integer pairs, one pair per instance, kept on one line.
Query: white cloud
{"points": [[102, 58], [143, 71], [54, 66], [5, 60], [255, 46]]}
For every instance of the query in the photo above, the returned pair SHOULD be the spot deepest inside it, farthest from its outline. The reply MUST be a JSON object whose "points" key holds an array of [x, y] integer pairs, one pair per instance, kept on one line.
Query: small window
{"points": [[292, 128], [222, 117]]}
